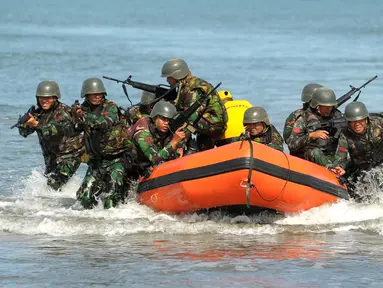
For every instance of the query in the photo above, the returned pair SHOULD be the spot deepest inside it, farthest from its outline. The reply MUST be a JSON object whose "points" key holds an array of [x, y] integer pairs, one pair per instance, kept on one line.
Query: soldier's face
{"points": [[172, 81], [325, 111], [46, 102], [358, 126], [162, 124], [95, 99], [255, 128]]}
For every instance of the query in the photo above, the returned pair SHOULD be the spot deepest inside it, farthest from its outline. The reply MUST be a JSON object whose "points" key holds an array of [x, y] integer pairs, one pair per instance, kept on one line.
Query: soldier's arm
{"points": [[26, 131], [276, 142], [153, 153], [289, 123], [134, 114], [190, 98], [378, 119], [299, 135], [107, 118], [340, 158]]}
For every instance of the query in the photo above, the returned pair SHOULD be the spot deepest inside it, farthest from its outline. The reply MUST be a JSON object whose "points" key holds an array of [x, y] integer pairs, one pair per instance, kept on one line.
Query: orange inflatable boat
{"points": [[241, 173]]}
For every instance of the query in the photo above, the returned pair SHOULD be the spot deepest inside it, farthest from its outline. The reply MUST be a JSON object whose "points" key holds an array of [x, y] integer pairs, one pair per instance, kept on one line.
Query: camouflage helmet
{"points": [[308, 91], [92, 86], [48, 88], [323, 96], [224, 94], [147, 97], [256, 114], [356, 111], [176, 68], [163, 108]]}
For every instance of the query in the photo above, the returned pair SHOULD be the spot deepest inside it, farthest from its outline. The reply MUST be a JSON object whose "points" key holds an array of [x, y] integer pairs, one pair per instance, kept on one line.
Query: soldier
{"points": [[143, 109], [308, 140], [106, 144], [359, 140], [152, 137], [306, 96], [210, 120], [61, 145], [235, 110], [259, 129]]}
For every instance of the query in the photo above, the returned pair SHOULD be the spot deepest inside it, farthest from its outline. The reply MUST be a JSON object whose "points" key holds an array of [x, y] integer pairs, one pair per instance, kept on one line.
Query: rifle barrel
{"points": [[353, 90], [368, 82], [114, 79]]}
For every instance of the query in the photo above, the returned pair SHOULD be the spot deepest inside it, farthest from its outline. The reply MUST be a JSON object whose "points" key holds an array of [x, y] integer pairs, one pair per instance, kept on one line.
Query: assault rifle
{"points": [[23, 119], [353, 90], [160, 91], [182, 118], [74, 108], [333, 126]]}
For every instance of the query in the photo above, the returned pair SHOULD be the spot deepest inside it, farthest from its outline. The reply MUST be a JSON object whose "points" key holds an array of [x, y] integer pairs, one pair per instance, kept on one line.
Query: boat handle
{"points": [[243, 183]]}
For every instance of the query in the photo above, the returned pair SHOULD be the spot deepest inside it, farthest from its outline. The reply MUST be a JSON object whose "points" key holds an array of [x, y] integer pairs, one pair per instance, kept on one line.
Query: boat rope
{"points": [[250, 185]]}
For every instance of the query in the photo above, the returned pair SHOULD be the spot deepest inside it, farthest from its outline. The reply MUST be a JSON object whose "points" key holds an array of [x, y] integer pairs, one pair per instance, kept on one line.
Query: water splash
{"points": [[37, 209]]}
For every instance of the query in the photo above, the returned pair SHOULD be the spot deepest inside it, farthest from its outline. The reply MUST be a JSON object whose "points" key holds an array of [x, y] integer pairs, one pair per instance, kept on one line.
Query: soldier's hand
{"points": [[32, 122], [79, 112], [180, 152], [339, 171], [319, 134], [178, 136]]}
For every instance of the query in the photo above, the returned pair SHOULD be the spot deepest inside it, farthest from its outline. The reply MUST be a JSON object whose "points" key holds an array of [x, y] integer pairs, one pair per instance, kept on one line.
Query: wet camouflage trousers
{"points": [[59, 174], [103, 181], [317, 156]]}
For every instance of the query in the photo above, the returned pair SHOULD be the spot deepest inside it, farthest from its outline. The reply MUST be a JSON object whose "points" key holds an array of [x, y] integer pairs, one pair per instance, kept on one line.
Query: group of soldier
{"points": [[119, 145]]}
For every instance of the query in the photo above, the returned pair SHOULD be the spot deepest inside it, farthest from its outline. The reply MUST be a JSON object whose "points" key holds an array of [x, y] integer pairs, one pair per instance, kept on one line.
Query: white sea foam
{"points": [[37, 209]]}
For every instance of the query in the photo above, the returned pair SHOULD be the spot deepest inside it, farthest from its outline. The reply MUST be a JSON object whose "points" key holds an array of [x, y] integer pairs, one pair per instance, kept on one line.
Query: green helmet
{"points": [[147, 97], [92, 86], [355, 111], [163, 108], [323, 97], [48, 88], [308, 91], [176, 68], [256, 114]]}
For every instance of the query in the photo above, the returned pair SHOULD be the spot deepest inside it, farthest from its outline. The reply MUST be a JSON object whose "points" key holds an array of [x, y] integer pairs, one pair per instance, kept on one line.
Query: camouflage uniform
{"points": [[151, 145], [269, 137], [211, 118], [306, 97], [319, 151], [138, 112], [61, 145], [289, 123], [360, 147], [106, 143]]}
